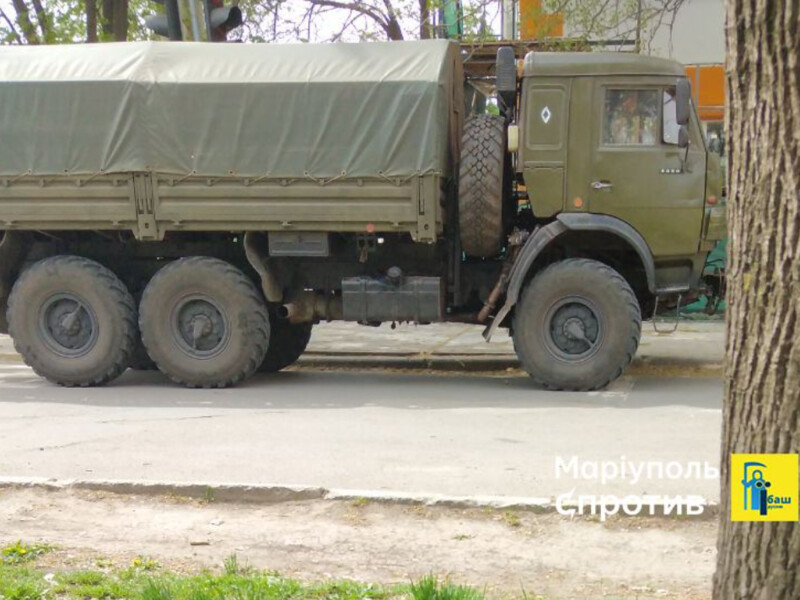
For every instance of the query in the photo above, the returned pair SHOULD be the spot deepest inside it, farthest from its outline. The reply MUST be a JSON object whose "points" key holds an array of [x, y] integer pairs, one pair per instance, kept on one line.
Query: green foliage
{"points": [[82, 578], [254, 586], [144, 563], [512, 519], [23, 591], [66, 22], [430, 588], [231, 564], [18, 582], [20, 553]]}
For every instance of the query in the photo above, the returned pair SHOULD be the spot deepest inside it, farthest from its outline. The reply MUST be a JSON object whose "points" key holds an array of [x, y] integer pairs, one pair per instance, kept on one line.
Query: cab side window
{"points": [[671, 127], [631, 118]]}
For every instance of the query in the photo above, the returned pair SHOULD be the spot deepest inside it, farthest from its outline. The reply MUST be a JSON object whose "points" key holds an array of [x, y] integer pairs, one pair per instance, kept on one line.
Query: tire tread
{"points": [[104, 277], [481, 181], [228, 276], [631, 305]]}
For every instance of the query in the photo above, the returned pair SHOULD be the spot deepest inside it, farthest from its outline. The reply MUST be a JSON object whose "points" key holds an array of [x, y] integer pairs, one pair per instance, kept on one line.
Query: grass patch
{"points": [[511, 519], [20, 582], [431, 588], [233, 580]]}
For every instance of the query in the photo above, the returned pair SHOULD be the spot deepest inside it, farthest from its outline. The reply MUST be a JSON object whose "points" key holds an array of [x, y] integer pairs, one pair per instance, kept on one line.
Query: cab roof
{"points": [[598, 63]]}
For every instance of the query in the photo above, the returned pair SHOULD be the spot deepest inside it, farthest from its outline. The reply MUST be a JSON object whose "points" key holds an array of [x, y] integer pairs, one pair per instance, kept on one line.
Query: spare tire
{"points": [[482, 216]]}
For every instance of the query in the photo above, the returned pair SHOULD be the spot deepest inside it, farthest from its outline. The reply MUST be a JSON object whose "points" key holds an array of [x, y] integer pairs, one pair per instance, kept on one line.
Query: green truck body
{"points": [[233, 195], [157, 137]]}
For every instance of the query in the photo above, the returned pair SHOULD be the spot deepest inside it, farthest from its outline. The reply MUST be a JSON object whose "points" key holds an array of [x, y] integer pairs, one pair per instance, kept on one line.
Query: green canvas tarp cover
{"points": [[249, 110]]}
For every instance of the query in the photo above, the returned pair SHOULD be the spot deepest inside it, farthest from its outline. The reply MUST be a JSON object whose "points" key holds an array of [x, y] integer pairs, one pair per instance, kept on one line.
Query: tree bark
{"points": [[761, 561], [115, 19], [424, 20], [91, 21], [120, 28], [107, 16]]}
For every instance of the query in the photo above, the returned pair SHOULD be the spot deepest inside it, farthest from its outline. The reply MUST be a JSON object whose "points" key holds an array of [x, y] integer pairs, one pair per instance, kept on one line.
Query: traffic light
{"points": [[167, 23], [221, 19]]}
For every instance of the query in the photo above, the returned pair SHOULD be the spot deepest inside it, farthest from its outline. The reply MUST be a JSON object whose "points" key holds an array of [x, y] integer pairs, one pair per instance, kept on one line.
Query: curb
{"points": [[488, 363], [275, 494], [444, 362]]}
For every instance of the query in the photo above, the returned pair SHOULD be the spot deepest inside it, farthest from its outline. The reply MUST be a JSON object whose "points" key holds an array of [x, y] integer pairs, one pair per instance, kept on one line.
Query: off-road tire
{"points": [[243, 319], [104, 299], [287, 342], [618, 318], [482, 216]]}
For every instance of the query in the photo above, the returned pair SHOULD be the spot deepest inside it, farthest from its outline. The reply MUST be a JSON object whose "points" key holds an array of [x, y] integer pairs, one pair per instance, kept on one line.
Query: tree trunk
{"points": [[91, 21], [120, 22], [107, 13], [424, 20], [761, 561], [115, 19]]}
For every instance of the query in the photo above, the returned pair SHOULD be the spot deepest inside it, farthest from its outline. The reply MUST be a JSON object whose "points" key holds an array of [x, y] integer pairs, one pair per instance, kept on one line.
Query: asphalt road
{"points": [[463, 435]]}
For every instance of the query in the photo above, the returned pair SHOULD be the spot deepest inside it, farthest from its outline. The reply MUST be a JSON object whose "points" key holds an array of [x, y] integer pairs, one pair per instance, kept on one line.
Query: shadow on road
{"points": [[295, 390]]}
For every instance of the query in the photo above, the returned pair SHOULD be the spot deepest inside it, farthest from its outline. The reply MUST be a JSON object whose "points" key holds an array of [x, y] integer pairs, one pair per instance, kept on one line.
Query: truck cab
{"points": [[599, 135]]}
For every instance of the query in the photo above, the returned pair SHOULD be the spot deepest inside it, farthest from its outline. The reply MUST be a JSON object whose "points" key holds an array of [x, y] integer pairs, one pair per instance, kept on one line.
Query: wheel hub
{"points": [[200, 327], [68, 325], [574, 329]]}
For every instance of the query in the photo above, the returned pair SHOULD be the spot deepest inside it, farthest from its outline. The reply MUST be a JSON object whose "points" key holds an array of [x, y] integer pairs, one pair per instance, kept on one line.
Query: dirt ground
{"points": [[499, 551]]}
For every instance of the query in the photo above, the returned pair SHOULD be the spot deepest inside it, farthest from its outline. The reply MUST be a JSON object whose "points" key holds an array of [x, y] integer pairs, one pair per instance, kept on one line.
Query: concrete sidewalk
{"points": [[697, 347]]}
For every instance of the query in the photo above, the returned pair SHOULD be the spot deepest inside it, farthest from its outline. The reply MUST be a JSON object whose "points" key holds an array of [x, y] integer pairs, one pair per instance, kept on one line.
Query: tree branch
{"points": [[24, 21], [11, 26], [41, 17], [357, 6]]}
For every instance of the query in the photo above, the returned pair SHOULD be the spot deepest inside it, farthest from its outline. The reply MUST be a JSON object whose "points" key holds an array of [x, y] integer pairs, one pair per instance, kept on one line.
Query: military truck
{"points": [[198, 207]]}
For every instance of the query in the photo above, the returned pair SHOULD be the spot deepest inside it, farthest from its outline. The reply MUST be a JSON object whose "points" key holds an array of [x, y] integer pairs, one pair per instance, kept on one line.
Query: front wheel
{"points": [[577, 325]]}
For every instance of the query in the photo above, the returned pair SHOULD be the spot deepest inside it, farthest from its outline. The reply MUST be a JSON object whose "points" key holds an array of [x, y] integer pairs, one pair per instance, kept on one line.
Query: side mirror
{"points": [[683, 101], [683, 137]]}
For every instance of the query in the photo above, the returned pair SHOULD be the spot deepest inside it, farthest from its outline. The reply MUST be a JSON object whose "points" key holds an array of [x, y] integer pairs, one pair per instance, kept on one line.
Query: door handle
{"points": [[602, 185]]}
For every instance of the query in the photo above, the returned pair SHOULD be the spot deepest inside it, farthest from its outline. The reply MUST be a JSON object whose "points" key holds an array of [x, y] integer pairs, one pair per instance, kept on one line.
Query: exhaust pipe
{"points": [[310, 306]]}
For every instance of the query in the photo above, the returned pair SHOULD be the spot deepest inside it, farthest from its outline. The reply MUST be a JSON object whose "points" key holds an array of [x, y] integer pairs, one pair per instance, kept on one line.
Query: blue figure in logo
{"points": [[755, 488]]}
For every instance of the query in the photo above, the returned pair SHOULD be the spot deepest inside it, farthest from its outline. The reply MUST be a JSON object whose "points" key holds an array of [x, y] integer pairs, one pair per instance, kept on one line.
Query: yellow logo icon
{"points": [[764, 487]]}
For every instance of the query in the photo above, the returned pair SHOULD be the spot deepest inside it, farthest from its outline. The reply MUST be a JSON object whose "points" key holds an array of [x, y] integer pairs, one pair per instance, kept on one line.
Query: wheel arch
{"points": [[620, 229], [569, 233]]}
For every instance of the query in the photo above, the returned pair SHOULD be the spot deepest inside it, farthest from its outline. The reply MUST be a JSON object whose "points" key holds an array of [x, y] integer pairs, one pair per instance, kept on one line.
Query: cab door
{"points": [[638, 173], [544, 150]]}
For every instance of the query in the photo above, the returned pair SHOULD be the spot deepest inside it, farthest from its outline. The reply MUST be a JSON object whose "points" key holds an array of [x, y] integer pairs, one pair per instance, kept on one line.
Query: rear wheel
{"points": [[204, 323], [287, 341], [577, 325], [73, 321], [482, 211]]}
